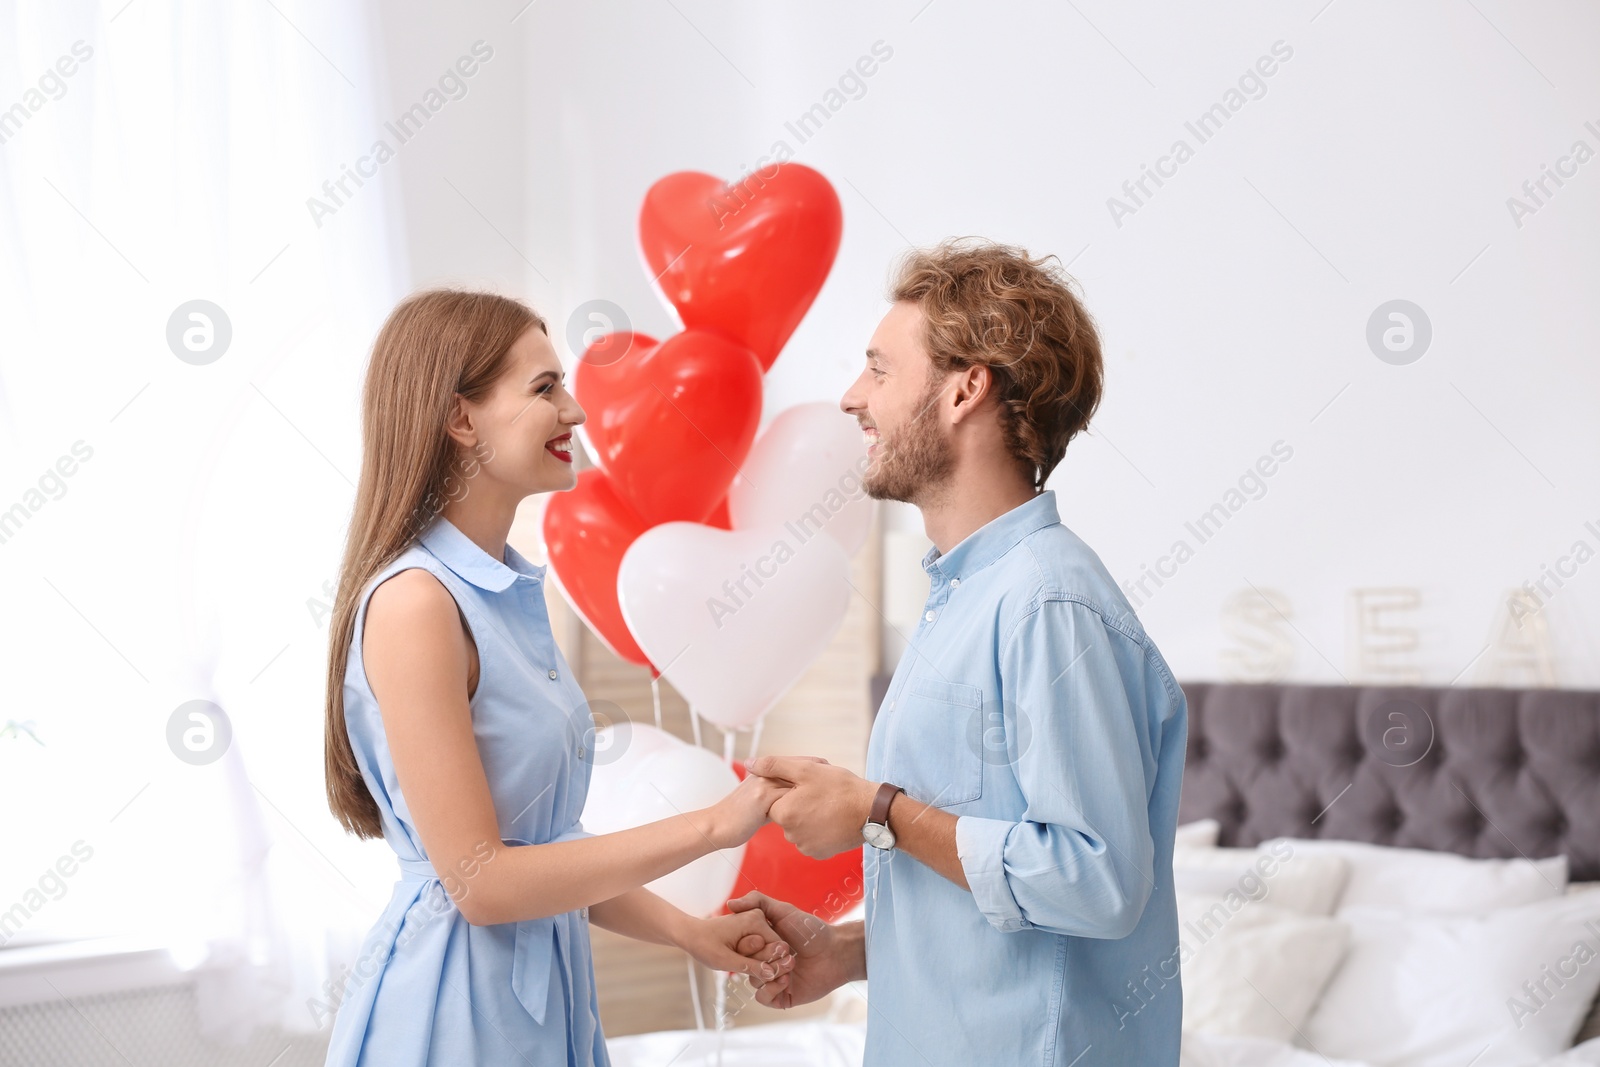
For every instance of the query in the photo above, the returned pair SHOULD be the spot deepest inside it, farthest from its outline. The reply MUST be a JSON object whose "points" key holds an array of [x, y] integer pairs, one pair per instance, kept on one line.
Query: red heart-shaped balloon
{"points": [[602, 375], [586, 532], [746, 259], [720, 516], [672, 421]]}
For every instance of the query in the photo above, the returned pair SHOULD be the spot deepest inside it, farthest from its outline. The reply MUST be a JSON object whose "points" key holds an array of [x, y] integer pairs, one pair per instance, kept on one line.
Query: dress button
{"points": [[553, 674], [929, 616]]}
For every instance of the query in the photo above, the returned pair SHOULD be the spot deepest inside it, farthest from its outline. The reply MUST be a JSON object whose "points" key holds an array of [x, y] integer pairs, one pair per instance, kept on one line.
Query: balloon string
{"points": [[694, 720], [694, 995], [727, 747], [722, 1007], [655, 696], [755, 737]]}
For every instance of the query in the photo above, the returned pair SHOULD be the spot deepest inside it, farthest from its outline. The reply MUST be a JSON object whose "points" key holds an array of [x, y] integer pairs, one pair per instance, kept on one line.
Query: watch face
{"points": [[878, 835]]}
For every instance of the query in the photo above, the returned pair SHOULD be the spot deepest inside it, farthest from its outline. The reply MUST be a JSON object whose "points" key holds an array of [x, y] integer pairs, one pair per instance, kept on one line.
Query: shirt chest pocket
{"points": [[935, 758]]}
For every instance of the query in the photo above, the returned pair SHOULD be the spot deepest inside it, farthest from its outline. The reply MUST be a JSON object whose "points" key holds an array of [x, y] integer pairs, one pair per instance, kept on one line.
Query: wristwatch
{"points": [[876, 832]]}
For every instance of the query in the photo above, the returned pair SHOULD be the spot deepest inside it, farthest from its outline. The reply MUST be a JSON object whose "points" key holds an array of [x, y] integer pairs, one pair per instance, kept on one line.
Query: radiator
{"points": [[63, 1023], [144, 1028]]}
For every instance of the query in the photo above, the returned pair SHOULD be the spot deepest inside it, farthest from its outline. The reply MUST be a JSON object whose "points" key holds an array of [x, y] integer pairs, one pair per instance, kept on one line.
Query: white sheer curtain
{"points": [[169, 158]]}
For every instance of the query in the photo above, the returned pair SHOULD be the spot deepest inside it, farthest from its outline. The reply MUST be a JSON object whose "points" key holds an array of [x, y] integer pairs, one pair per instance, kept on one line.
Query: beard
{"points": [[915, 461]]}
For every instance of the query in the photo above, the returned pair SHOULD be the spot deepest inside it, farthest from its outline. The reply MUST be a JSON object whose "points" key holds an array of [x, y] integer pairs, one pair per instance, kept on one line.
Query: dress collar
{"points": [[463, 556], [993, 539]]}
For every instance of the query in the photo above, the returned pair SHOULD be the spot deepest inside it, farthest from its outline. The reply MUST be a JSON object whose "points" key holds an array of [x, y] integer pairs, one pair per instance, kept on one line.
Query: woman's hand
{"points": [[823, 957], [744, 944], [744, 811]]}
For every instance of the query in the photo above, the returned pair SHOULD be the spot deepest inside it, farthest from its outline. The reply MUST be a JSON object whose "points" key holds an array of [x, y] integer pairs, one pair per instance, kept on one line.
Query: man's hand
{"points": [[824, 957], [824, 811]]}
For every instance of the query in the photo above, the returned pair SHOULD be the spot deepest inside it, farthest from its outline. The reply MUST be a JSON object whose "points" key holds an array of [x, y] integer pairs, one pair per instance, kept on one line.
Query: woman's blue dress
{"points": [[428, 987]]}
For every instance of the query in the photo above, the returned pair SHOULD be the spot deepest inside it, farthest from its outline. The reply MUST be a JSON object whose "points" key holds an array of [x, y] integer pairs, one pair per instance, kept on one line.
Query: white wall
{"points": [[1233, 302]]}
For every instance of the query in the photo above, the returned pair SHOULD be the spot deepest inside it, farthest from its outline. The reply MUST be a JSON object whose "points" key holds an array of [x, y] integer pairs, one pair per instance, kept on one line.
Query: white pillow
{"points": [[1438, 883], [1423, 990], [1586, 1053], [1209, 1050], [1280, 875], [1202, 833], [1255, 971]]}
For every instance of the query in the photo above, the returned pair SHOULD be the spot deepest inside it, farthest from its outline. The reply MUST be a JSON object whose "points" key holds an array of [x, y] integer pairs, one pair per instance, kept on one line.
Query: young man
{"points": [[1024, 769]]}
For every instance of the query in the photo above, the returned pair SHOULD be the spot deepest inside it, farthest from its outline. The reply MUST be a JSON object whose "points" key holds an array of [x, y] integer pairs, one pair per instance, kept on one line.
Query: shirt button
{"points": [[953, 582], [929, 616], [553, 674], [581, 752]]}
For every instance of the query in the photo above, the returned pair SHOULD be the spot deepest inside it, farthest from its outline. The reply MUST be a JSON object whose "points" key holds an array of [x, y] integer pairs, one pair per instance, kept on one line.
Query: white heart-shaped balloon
{"points": [[642, 775], [804, 472], [733, 619]]}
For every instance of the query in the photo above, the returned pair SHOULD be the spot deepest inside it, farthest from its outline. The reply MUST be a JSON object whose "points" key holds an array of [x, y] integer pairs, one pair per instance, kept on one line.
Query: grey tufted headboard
{"points": [[1481, 772]]}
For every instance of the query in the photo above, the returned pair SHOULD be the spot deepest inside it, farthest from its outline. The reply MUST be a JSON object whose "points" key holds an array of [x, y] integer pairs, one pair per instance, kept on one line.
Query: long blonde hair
{"points": [[434, 345]]}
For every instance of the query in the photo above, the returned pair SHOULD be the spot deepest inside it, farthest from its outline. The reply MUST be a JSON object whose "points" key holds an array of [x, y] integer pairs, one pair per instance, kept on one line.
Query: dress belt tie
{"points": [[535, 939]]}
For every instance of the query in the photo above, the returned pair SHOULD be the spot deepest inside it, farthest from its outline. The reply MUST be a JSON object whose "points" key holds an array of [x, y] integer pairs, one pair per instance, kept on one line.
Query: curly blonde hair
{"points": [[994, 305]]}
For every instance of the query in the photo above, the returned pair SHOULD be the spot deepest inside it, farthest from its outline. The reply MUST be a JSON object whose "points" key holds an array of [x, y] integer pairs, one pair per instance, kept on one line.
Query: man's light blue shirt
{"points": [[1032, 705]]}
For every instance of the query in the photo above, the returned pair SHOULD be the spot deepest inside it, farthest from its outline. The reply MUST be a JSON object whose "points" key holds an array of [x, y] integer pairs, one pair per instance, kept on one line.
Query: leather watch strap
{"points": [[881, 802]]}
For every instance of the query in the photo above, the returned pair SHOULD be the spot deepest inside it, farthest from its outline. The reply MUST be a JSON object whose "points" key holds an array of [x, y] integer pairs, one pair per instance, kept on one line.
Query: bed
{"points": [[1417, 874]]}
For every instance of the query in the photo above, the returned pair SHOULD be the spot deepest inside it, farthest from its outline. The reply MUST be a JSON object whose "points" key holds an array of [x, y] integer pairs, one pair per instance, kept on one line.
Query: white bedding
{"points": [[1424, 980], [820, 1044], [1204, 1050], [806, 1044]]}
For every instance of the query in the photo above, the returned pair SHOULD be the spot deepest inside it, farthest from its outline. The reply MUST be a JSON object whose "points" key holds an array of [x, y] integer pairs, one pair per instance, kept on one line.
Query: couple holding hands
{"points": [[1023, 771]]}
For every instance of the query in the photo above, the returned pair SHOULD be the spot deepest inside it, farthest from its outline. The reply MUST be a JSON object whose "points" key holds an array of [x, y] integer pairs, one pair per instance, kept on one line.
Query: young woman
{"points": [[456, 731]]}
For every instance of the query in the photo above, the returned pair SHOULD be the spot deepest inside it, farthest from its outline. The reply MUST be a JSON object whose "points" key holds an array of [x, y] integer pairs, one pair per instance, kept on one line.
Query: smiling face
{"points": [[519, 437], [897, 403]]}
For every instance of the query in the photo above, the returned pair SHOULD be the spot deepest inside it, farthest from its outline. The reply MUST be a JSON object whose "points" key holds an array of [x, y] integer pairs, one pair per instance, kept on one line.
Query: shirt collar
{"points": [[463, 556], [993, 539]]}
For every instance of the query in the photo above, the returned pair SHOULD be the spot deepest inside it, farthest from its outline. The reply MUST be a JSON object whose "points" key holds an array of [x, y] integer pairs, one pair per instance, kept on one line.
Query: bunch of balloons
{"points": [[716, 558], [719, 560]]}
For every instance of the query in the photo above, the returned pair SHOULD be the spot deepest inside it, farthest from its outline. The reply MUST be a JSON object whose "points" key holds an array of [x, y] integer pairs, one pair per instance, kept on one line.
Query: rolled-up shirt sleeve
{"points": [[1079, 861]]}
